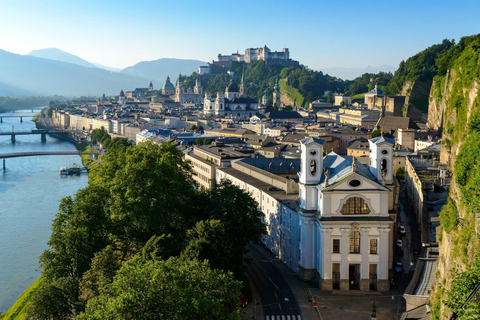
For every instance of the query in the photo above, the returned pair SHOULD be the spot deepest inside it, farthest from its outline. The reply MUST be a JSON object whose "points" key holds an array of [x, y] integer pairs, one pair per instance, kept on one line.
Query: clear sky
{"points": [[319, 33]]}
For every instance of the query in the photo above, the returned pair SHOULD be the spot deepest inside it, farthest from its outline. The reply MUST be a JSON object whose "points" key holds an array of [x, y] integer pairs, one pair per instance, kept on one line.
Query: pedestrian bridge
{"points": [[42, 132], [41, 153]]}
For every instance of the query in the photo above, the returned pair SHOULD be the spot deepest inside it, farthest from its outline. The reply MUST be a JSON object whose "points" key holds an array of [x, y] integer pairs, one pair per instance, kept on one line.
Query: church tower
{"points": [[381, 159], [198, 87], [150, 87], [243, 90], [121, 99], [276, 94], [311, 161]]}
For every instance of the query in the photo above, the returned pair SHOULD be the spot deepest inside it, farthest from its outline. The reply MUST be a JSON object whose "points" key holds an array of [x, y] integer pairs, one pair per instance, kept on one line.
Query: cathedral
{"points": [[233, 103], [187, 95]]}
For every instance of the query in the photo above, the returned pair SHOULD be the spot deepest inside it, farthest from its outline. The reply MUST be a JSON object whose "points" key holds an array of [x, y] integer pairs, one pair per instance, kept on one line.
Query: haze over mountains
{"points": [[53, 71]]}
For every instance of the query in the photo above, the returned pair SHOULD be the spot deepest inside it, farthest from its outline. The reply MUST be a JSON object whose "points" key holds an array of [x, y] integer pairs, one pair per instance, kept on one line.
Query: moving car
{"points": [[398, 267]]}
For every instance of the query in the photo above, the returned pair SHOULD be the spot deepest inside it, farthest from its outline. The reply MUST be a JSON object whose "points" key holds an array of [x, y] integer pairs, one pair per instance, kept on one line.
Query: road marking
{"points": [[283, 317]]}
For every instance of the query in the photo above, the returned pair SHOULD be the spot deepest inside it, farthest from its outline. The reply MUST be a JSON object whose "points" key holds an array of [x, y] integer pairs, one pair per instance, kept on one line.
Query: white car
{"points": [[401, 229], [399, 243]]}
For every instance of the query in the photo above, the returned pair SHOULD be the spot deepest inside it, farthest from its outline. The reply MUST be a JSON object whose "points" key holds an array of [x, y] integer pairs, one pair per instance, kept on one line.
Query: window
{"points": [[355, 205], [373, 246], [336, 246], [354, 241]]}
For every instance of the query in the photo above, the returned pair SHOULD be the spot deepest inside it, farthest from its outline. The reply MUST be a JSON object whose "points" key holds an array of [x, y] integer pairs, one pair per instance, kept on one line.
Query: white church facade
{"points": [[331, 224]]}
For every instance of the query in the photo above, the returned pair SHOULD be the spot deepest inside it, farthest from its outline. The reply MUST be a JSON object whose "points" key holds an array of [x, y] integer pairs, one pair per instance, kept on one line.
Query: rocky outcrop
{"points": [[417, 97]]}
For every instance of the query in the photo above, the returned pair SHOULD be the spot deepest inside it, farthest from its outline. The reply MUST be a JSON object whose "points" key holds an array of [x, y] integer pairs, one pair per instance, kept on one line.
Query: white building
{"points": [[333, 226]]}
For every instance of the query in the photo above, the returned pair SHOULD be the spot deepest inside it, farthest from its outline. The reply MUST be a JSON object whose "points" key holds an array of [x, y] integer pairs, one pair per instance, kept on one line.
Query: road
{"points": [[277, 299]]}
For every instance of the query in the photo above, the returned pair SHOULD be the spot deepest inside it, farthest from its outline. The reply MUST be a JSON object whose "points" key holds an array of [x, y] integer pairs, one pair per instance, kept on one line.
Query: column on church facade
{"points": [[365, 250], [307, 266], [384, 250], [345, 251], [325, 262]]}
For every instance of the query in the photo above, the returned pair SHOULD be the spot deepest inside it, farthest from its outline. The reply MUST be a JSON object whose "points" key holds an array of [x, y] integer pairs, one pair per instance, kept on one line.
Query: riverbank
{"points": [[19, 309]]}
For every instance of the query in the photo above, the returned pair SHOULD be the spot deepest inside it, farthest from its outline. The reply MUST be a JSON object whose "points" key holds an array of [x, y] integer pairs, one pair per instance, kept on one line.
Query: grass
{"points": [[19, 308], [360, 98]]}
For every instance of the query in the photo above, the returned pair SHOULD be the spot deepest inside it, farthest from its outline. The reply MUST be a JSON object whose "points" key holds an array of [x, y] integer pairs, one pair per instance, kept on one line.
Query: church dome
{"points": [[232, 87], [168, 85]]}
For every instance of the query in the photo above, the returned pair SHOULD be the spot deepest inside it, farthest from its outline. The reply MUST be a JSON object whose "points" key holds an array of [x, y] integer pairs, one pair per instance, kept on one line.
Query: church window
{"points": [[355, 205], [384, 151], [313, 167], [336, 246], [354, 183], [373, 246], [384, 165], [354, 241]]}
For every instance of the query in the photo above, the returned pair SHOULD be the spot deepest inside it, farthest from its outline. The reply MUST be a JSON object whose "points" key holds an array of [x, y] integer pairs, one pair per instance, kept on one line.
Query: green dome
{"points": [[168, 85]]}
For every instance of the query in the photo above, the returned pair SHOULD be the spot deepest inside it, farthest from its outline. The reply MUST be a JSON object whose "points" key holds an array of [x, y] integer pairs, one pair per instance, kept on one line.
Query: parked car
{"points": [[398, 267], [401, 229], [399, 243]]}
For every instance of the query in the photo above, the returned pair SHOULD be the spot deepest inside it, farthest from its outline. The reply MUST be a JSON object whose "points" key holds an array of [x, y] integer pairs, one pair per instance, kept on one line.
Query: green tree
{"points": [[172, 289], [200, 128], [400, 173], [162, 247], [48, 303], [207, 241], [193, 128], [208, 141], [105, 264], [198, 141]]}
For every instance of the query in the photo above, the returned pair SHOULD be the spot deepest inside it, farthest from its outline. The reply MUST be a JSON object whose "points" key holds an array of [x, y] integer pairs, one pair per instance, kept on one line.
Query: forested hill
{"points": [[455, 106]]}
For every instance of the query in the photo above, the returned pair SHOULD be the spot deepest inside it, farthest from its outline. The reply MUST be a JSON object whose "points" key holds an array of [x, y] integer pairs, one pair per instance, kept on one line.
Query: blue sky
{"points": [[335, 33]]}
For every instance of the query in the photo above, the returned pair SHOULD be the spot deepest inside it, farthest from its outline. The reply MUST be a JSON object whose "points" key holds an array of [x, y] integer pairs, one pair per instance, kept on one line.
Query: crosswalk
{"points": [[283, 317]]}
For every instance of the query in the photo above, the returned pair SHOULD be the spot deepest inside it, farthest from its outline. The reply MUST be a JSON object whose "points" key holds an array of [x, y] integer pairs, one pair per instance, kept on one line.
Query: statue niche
{"points": [[313, 167]]}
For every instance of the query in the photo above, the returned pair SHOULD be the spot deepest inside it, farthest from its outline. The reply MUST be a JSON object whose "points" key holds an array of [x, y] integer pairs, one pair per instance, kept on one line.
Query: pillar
{"points": [[43, 137], [325, 262], [382, 271], [13, 138], [3, 163], [344, 249], [364, 267]]}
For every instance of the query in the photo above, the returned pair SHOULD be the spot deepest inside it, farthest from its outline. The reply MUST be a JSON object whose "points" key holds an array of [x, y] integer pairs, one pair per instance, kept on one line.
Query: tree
{"points": [[238, 213], [199, 141], [330, 98], [400, 173], [193, 128], [162, 247], [48, 303], [208, 141], [207, 241], [105, 264], [288, 108], [172, 289], [200, 129]]}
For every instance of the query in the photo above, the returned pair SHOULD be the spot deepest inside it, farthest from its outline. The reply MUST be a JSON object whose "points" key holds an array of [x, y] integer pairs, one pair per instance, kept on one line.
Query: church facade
{"points": [[333, 226], [188, 95], [233, 103]]}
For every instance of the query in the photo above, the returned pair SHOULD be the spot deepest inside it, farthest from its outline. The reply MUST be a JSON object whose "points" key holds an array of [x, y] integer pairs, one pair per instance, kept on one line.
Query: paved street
{"points": [[276, 297]]}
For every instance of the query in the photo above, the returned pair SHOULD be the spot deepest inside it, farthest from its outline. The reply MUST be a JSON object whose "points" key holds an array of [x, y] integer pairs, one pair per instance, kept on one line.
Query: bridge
{"points": [[42, 132], [41, 153]]}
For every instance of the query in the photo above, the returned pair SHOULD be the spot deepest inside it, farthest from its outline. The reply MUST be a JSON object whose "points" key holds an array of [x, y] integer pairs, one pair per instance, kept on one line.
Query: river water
{"points": [[30, 191]]}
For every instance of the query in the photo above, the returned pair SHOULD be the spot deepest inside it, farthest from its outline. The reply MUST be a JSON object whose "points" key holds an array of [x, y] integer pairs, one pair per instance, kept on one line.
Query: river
{"points": [[30, 191]]}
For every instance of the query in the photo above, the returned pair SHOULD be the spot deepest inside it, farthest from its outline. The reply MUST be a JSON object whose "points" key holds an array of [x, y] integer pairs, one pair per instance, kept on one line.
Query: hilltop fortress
{"points": [[227, 62]]}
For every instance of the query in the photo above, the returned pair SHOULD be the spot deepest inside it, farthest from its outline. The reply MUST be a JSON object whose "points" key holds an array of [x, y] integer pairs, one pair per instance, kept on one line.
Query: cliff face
{"points": [[417, 97], [454, 107]]}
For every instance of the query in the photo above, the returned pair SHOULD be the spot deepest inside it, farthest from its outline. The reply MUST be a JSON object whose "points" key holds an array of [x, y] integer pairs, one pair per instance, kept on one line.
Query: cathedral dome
{"points": [[168, 85], [232, 87]]}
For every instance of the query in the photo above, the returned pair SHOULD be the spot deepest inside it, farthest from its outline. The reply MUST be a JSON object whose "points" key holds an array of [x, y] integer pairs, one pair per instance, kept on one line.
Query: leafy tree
{"points": [[193, 128], [80, 229], [288, 108], [49, 303], [162, 247], [208, 141], [207, 242], [199, 141], [105, 264], [376, 133], [400, 173], [238, 213], [200, 128], [330, 98], [172, 289]]}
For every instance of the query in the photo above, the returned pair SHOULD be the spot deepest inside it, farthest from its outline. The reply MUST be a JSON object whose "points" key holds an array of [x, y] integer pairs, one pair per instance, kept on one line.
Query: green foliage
{"points": [[19, 310], [198, 141], [376, 133], [367, 82], [467, 171], [449, 216], [49, 302], [101, 135], [207, 242], [82, 146], [8, 103], [162, 247], [400, 173], [208, 141], [172, 289], [421, 66], [104, 267], [193, 128]]}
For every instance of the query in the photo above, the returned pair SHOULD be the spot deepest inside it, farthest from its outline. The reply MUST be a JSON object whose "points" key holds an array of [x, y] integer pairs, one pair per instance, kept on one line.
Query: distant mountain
{"points": [[352, 73], [158, 70], [107, 68], [25, 75], [59, 55]]}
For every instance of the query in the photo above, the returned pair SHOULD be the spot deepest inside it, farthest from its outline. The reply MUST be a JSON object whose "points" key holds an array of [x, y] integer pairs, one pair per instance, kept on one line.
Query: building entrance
{"points": [[354, 276]]}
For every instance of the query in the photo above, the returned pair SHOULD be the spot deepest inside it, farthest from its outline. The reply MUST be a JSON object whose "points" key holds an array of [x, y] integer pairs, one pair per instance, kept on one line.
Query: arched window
{"points": [[354, 241], [355, 205], [384, 165]]}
